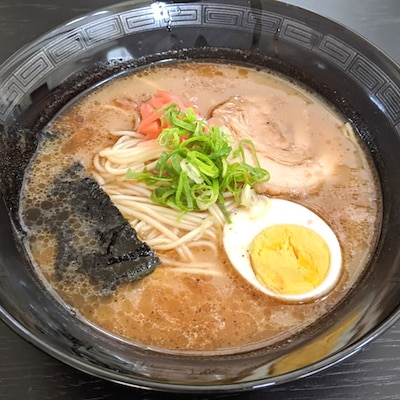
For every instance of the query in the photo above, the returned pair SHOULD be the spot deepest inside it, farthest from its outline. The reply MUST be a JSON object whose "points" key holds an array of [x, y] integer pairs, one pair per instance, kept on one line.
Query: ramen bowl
{"points": [[354, 77]]}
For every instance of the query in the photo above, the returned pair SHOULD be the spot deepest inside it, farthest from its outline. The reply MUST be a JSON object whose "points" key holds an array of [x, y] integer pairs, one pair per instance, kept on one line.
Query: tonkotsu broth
{"points": [[194, 311]]}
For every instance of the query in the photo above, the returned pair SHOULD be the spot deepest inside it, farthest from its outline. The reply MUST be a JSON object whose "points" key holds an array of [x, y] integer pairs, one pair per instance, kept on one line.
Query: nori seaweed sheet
{"points": [[93, 237]]}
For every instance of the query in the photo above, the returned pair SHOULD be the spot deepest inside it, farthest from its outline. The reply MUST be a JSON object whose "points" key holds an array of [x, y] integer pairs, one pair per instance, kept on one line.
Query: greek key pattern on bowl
{"points": [[299, 33], [366, 73], [265, 22], [60, 50], [39, 65], [220, 16], [103, 30], [389, 95], [160, 15], [142, 19], [12, 93], [335, 50]]}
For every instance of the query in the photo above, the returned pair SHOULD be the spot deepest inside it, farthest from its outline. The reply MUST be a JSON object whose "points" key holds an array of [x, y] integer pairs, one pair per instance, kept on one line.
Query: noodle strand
{"points": [[162, 228]]}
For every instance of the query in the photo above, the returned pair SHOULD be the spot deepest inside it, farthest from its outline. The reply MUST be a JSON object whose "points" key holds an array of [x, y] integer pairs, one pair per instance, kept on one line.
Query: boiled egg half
{"points": [[283, 249]]}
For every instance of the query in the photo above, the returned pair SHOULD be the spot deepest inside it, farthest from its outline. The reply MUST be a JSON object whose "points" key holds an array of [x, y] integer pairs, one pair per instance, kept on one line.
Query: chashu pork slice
{"points": [[286, 145]]}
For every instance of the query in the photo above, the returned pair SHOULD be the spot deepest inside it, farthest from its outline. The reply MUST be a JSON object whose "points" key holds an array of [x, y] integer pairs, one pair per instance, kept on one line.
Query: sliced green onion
{"points": [[195, 170]]}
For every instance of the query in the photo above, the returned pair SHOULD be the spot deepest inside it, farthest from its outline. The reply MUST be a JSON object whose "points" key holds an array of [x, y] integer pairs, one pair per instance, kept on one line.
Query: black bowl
{"points": [[357, 79]]}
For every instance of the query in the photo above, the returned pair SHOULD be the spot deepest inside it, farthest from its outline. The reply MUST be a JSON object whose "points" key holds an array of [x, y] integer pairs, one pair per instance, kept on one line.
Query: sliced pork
{"points": [[293, 149]]}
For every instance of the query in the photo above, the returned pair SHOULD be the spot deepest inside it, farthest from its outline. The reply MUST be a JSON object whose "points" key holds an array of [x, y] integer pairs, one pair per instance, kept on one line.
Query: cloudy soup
{"points": [[130, 206]]}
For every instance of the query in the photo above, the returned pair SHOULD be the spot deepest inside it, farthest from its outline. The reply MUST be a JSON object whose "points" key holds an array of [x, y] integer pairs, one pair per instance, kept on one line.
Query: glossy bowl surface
{"points": [[360, 81]]}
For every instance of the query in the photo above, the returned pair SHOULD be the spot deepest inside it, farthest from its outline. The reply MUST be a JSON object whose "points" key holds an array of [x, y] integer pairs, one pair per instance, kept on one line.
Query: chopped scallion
{"points": [[198, 165]]}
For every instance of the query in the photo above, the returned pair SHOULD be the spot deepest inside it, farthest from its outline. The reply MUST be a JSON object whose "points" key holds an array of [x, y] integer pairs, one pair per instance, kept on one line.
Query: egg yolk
{"points": [[289, 259]]}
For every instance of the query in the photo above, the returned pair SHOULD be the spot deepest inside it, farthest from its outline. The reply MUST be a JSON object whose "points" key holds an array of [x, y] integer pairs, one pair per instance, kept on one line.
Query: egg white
{"points": [[265, 212]]}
